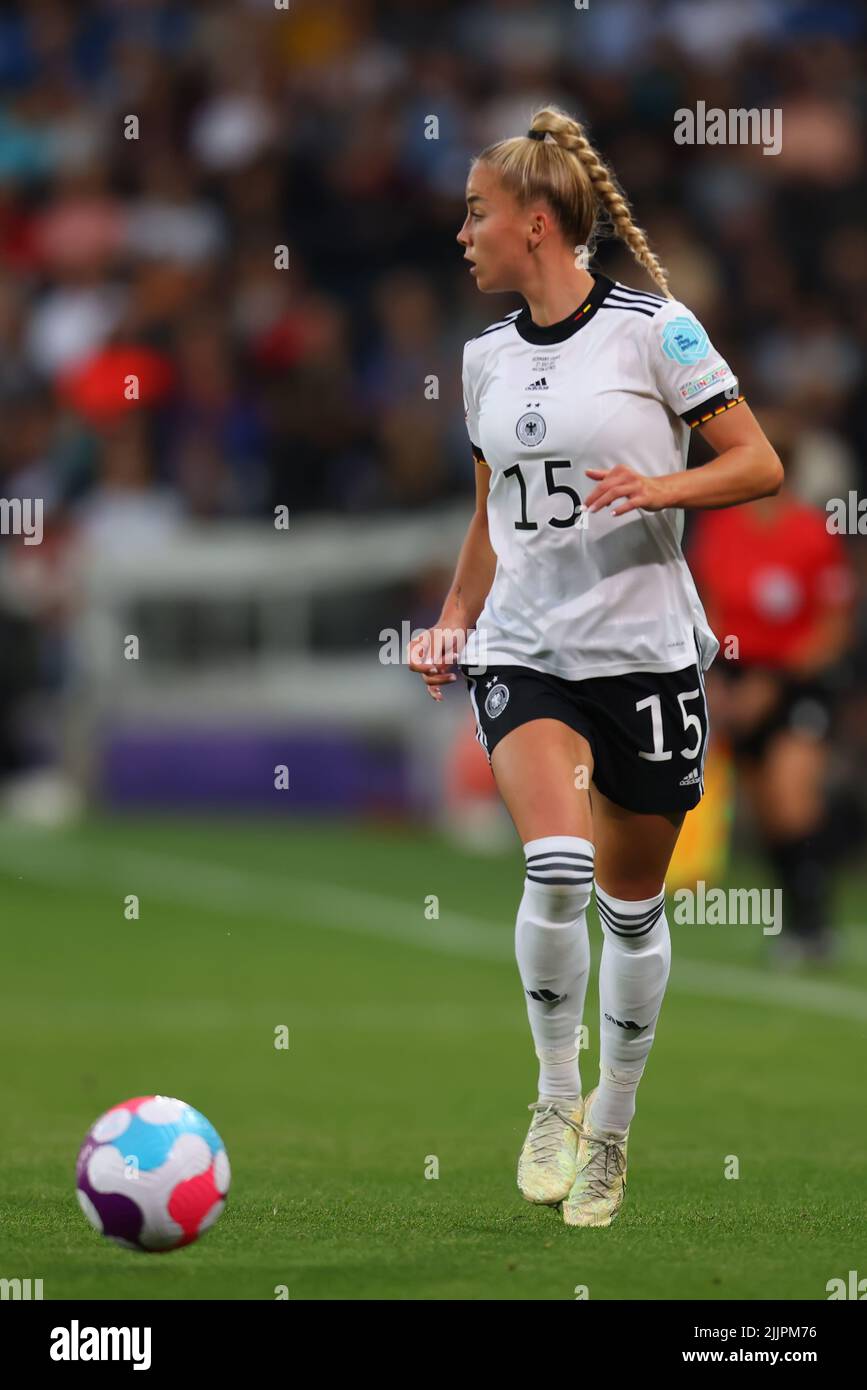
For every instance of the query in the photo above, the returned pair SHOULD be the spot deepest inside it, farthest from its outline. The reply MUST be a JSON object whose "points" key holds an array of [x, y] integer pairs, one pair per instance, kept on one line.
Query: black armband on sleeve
{"points": [[700, 414]]}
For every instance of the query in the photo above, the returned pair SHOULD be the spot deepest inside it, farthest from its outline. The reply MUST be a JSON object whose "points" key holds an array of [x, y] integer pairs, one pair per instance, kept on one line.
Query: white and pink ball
{"points": [[152, 1174]]}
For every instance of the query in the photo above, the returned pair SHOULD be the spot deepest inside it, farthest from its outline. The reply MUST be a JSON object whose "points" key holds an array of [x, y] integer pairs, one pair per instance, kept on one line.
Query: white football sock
{"points": [[553, 952], [636, 958]]}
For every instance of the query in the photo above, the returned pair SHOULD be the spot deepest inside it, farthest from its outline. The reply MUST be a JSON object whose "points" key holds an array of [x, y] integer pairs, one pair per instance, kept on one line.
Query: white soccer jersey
{"points": [[621, 380]]}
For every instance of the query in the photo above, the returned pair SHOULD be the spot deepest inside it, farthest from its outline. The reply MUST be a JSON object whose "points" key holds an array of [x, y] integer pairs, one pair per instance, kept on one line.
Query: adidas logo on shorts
{"points": [[691, 779]]}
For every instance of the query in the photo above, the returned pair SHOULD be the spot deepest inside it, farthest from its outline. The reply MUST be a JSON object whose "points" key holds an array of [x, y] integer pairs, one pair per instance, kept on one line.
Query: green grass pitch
{"points": [[407, 1039]]}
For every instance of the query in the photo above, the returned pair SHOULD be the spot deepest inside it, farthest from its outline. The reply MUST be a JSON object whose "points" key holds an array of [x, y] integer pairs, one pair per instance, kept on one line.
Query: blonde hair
{"points": [[569, 174]]}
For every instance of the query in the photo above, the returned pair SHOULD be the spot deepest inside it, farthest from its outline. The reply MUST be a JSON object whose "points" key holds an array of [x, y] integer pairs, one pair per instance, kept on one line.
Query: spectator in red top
{"points": [[779, 593]]}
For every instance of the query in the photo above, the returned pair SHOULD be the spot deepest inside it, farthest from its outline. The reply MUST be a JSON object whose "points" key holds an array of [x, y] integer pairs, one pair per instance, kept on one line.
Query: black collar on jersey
{"points": [[558, 332]]}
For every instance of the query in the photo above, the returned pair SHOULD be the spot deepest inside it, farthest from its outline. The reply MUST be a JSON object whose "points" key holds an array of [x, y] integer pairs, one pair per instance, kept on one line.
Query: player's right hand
{"points": [[434, 655]]}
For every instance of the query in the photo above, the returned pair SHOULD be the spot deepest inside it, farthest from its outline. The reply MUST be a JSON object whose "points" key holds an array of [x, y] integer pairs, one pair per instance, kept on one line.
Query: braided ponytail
{"points": [[577, 183]]}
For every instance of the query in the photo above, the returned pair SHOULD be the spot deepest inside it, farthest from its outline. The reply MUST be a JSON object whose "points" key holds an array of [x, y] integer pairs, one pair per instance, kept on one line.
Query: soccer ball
{"points": [[152, 1174]]}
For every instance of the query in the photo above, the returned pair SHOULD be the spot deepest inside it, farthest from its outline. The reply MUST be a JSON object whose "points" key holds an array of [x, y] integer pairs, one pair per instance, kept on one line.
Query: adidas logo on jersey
{"points": [[540, 385], [690, 779]]}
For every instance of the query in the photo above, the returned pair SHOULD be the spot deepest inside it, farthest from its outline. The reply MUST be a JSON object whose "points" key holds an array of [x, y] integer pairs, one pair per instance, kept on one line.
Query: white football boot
{"points": [[600, 1179], [547, 1165]]}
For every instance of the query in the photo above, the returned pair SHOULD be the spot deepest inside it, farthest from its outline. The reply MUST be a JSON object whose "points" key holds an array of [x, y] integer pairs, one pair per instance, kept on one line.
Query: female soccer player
{"points": [[586, 640]]}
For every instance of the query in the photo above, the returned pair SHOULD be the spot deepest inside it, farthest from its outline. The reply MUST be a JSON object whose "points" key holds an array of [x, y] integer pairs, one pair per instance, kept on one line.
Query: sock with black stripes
{"points": [[636, 958], [553, 952]]}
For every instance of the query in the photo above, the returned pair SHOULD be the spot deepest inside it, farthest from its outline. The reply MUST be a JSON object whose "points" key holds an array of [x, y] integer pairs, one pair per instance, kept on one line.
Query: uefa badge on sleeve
{"points": [[684, 341]]}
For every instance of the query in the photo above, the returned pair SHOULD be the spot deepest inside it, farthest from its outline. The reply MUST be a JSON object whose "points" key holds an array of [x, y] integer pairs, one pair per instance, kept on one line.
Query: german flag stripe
{"points": [[708, 410]]}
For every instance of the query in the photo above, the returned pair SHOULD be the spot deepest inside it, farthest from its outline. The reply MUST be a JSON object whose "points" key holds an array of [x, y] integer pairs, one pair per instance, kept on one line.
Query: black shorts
{"points": [[803, 706], [647, 730]]}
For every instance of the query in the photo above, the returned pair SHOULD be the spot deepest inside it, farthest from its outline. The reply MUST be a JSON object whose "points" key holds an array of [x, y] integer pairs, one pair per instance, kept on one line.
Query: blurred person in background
{"points": [[778, 591], [126, 509]]}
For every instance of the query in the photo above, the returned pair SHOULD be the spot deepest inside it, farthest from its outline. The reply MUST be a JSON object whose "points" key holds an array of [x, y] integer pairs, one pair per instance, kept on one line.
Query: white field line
{"points": [[210, 887]]}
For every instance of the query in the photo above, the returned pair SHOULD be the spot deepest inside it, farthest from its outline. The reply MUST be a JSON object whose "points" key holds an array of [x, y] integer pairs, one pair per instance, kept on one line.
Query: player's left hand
{"points": [[631, 488]]}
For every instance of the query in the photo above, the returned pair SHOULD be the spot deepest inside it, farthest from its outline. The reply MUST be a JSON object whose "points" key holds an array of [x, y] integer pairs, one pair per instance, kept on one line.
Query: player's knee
{"points": [[632, 922], [558, 878], [632, 889]]}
